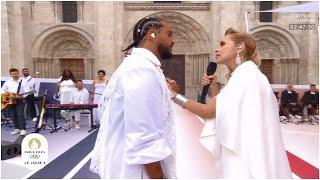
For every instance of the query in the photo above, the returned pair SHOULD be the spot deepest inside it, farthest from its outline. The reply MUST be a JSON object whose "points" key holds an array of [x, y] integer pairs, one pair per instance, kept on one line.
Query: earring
{"points": [[238, 59]]}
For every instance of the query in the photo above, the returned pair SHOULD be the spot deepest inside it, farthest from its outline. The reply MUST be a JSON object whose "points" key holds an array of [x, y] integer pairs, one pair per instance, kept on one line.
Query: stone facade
{"points": [[34, 36]]}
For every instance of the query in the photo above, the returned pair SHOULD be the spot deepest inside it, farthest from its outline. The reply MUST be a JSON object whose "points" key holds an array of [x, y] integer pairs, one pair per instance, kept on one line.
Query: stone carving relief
{"points": [[70, 49], [277, 46], [63, 44], [273, 45], [66, 44], [189, 36]]}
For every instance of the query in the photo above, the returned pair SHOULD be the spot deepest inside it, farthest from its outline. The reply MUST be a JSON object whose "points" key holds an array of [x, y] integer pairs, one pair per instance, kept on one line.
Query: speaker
{"points": [[9, 150], [19, 139]]}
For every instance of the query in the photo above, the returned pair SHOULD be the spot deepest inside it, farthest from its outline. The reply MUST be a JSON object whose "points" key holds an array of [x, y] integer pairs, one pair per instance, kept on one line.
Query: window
{"points": [[69, 11], [265, 16]]}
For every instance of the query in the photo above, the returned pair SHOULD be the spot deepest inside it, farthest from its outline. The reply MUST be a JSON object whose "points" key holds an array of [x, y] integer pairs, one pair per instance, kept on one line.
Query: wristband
{"points": [[180, 100]]}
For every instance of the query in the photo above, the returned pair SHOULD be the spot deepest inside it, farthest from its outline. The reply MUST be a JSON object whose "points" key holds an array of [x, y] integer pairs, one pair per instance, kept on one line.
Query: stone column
{"points": [[88, 68], [26, 35], [56, 72], [196, 66], [277, 71], [230, 17], [5, 41], [15, 35], [119, 34], [105, 37], [313, 54], [216, 35]]}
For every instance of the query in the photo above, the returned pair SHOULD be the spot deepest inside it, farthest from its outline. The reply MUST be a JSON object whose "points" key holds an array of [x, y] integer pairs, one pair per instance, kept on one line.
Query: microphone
{"points": [[211, 69]]}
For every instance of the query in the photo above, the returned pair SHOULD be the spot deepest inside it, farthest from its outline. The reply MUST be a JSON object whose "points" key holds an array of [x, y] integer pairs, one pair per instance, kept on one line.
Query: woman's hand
{"points": [[208, 79], [212, 80]]}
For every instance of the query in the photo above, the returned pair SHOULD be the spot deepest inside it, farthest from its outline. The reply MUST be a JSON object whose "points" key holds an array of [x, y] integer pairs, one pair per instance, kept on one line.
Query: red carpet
{"points": [[302, 168]]}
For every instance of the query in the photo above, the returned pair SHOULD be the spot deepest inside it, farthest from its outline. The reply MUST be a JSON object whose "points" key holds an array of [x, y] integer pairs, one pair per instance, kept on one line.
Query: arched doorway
{"points": [[190, 52], [279, 52], [64, 47]]}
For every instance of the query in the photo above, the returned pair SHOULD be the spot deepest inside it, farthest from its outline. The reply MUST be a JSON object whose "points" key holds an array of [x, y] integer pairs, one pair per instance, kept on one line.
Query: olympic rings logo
{"points": [[34, 156]]}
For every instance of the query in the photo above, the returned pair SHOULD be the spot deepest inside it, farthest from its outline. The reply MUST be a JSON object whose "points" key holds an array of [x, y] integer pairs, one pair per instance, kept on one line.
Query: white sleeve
{"points": [[32, 84], [73, 97], [85, 96], [4, 87], [145, 135]]}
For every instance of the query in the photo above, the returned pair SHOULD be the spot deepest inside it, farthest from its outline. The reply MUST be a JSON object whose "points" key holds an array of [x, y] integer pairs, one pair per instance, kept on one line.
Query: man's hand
{"points": [[154, 170], [17, 96], [173, 86]]}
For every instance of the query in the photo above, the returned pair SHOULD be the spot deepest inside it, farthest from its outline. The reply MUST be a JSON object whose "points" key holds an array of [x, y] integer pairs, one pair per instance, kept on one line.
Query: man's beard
{"points": [[164, 52]]}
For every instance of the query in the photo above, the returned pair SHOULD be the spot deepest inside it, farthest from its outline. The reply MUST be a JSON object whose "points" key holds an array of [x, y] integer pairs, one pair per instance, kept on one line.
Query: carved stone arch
{"points": [[78, 32], [277, 46], [189, 36], [64, 43], [272, 37], [191, 42], [74, 43]]}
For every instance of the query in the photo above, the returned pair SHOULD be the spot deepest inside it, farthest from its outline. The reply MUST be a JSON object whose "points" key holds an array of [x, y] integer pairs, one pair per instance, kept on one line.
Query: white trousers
{"points": [[66, 114], [77, 115]]}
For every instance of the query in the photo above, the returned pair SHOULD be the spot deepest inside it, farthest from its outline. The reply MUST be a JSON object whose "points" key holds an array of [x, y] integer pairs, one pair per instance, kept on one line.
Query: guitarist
{"points": [[29, 83], [15, 85]]}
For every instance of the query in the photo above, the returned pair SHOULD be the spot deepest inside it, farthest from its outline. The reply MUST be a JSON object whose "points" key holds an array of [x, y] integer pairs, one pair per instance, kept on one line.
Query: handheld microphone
{"points": [[211, 69]]}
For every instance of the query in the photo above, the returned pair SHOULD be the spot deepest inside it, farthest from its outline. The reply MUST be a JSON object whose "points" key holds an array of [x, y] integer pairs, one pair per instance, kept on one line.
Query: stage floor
{"points": [[70, 152]]}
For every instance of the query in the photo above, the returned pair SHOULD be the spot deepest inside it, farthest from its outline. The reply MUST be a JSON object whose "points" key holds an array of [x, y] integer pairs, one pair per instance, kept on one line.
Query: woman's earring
{"points": [[238, 59]]}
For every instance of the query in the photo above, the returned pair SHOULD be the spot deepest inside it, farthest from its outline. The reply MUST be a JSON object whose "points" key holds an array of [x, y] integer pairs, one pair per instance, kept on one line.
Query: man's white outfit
{"points": [[79, 97], [29, 83], [137, 121], [11, 86], [248, 127]]}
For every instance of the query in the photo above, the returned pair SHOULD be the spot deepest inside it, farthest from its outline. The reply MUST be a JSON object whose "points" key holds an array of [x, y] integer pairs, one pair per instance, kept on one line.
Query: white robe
{"points": [[137, 123], [65, 90], [248, 127]]}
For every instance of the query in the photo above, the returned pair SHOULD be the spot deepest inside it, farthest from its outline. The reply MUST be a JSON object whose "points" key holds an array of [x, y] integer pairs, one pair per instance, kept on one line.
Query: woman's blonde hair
{"points": [[250, 44]]}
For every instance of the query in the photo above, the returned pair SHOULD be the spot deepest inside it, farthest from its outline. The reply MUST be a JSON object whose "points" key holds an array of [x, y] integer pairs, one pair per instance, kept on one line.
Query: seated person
{"points": [[289, 103], [80, 96], [310, 100]]}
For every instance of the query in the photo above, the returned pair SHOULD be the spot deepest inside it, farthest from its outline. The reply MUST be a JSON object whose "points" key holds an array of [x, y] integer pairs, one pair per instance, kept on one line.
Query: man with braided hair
{"points": [[136, 138]]}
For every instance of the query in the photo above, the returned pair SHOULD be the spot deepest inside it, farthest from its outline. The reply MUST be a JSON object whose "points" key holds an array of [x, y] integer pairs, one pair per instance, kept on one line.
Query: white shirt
{"points": [[137, 123], [29, 82], [11, 86], [80, 97]]}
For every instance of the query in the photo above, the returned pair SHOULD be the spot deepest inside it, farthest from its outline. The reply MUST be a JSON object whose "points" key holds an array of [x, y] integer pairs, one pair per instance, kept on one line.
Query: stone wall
{"points": [[106, 28]]}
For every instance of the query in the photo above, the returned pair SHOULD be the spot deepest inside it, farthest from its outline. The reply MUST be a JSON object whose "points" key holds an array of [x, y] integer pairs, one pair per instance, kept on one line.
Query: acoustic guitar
{"points": [[11, 98]]}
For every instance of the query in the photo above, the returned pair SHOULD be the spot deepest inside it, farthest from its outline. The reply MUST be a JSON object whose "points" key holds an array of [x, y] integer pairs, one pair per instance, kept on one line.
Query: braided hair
{"points": [[141, 29]]}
